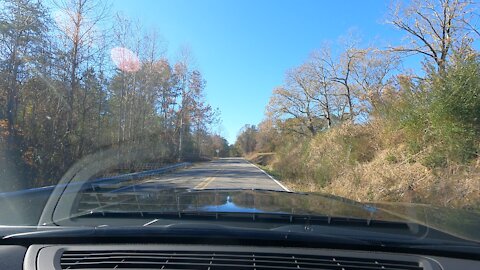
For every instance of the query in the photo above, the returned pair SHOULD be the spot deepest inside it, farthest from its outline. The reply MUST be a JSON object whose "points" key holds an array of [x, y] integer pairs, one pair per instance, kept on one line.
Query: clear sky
{"points": [[244, 47]]}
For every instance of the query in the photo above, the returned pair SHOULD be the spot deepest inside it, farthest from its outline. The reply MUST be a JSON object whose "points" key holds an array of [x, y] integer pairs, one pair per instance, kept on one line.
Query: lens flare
{"points": [[125, 59]]}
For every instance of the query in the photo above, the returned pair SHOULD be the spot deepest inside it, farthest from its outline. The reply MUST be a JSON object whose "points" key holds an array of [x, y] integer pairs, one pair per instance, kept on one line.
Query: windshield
{"points": [[260, 114]]}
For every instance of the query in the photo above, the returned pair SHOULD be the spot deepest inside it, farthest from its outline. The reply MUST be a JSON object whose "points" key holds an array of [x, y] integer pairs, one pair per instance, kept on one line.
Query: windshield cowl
{"points": [[316, 208]]}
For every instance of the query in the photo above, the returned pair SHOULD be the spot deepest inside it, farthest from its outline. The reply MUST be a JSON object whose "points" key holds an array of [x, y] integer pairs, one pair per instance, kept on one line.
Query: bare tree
{"points": [[78, 22], [318, 93], [372, 74], [298, 99], [342, 74], [323, 89], [340, 71], [434, 28], [333, 85]]}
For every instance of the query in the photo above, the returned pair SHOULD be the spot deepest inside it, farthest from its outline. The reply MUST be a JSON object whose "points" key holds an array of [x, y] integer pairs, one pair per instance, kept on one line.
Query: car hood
{"points": [[456, 222]]}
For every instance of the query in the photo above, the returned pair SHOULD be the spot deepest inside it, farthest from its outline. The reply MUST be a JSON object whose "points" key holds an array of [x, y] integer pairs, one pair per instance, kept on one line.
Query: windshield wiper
{"points": [[56, 232], [247, 214], [352, 228], [181, 231]]}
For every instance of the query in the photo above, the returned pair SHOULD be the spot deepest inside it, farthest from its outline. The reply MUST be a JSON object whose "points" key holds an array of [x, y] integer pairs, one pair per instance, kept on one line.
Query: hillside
{"points": [[373, 167]]}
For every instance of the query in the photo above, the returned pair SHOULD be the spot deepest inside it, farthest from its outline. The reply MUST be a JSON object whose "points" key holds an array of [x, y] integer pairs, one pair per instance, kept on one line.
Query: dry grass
{"points": [[260, 158], [380, 180], [372, 163]]}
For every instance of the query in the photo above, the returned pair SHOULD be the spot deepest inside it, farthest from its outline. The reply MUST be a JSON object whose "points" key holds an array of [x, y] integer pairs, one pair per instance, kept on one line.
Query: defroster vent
{"points": [[148, 259]]}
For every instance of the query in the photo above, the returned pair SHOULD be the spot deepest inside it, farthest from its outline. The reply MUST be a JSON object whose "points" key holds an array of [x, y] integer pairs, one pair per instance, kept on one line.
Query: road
{"points": [[222, 173], [230, 173]]}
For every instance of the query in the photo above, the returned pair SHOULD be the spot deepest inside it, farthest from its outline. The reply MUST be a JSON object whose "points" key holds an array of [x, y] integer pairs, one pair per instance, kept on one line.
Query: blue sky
{"points": [[243, 48]]}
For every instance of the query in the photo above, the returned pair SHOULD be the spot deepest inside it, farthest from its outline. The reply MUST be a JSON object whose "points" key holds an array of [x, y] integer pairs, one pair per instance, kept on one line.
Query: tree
{"points": [[298, 99], [434, 28], [234, 151], [342, 74], [192, 110], [316, 95], [247, 139], [334, 84], [373, 77], [124, 82], [267, 136], [221, 144], [23, 27], [61, 99], [202, 114], [78, 23]]}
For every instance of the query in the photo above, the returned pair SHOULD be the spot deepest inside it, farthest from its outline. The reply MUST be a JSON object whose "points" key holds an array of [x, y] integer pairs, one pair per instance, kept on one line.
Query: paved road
{"points": [[221, 173]]}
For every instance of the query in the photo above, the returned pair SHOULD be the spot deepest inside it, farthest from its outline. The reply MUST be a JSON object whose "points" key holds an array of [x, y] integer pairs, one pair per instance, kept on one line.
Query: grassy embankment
{"points": [[421, 144], [371, 163]]}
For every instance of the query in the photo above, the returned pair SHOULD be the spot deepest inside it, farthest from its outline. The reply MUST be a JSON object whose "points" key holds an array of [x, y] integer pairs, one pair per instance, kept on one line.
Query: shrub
{"points": [[289, 160], [441, 115], [333, 152]]}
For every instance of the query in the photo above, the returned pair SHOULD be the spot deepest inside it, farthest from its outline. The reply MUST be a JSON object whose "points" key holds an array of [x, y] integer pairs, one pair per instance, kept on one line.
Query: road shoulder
{"points": [[271, 177]]}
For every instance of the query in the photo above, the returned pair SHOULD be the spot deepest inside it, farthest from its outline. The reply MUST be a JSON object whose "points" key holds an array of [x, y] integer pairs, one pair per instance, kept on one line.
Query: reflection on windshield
{"points": [[125, 59], [228, 206], [99, 116], [151, 201]]}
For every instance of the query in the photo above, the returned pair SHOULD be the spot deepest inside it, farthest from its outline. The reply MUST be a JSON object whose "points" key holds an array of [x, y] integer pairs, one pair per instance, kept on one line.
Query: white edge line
{"points": [[271, 177], [150, 222]]}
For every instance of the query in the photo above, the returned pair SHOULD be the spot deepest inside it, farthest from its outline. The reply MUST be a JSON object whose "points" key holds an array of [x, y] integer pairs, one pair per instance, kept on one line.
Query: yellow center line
{"points": [[207, 181]]}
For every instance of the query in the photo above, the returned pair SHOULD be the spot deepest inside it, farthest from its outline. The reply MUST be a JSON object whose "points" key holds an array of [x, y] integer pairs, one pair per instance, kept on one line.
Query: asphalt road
{"points": [[230, 173], [222, 173]]}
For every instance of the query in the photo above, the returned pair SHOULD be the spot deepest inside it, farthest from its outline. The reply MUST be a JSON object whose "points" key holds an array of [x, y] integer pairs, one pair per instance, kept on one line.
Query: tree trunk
{"points": [[12, 95]]}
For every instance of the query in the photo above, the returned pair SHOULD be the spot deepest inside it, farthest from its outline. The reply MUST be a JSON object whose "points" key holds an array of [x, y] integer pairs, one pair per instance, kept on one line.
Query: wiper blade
{"points": [[385, 231], [177, 231], [251, 215], [47, 233]]}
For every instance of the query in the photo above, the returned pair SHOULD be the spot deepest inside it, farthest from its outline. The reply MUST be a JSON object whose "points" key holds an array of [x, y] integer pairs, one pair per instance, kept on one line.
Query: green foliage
{"points": [[435, 159], [441, 115], [391, 159], [338, 148], [322, 158], [234, 151], [291, 158], [455, 110], [323, 173], [357, 147]]}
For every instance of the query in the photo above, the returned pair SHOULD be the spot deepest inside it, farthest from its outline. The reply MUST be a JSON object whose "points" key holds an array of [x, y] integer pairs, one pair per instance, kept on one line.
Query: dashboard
{"points": [[211, 257]]}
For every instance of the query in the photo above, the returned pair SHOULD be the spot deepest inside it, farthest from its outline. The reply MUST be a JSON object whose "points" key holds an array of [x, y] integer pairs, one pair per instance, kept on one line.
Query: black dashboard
{"points": [[175, 256]]}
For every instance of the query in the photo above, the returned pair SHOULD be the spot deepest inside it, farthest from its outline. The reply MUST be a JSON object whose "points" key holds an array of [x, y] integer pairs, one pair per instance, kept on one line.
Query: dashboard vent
{"points": [[131, 259]]}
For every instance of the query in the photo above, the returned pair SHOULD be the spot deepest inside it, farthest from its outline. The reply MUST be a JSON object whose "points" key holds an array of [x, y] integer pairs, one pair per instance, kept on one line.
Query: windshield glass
{"points": [[259, 114]]}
